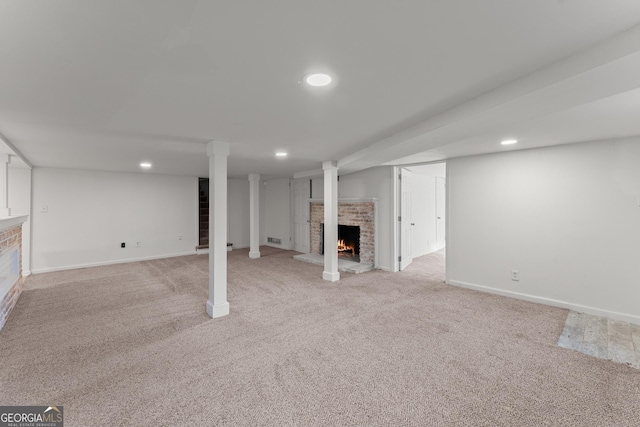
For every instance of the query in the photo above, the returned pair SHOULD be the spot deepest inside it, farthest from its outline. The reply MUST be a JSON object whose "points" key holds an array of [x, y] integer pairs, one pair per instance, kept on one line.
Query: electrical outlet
{"points": [[45, 209], [515, 275], [123, 244], [138, 244]]}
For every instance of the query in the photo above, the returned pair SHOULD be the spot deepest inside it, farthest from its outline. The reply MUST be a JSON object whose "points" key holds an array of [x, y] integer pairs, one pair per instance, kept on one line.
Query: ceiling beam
{"points": [[606, 69]]}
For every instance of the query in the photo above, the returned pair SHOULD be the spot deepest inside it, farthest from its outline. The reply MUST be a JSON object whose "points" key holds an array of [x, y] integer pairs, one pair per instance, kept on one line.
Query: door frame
{"points": [[405, 257], [292, 183], [396, 212]]}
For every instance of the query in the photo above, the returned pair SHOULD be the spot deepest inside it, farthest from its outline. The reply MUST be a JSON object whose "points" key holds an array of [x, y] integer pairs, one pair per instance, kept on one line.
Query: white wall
{"points": [[566, 217], [20, 204], [238, 214], [370, 183], [90, 213], [277, 211]]}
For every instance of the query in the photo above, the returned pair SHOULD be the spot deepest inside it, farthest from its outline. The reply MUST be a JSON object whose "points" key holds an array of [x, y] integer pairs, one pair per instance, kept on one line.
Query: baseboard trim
{"points": [[273, 245], [219, 310], [103, 263], [548, 301]]}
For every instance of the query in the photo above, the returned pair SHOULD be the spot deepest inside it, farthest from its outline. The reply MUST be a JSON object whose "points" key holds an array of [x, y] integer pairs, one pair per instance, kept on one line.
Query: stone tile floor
{"points": [[601, 337]]}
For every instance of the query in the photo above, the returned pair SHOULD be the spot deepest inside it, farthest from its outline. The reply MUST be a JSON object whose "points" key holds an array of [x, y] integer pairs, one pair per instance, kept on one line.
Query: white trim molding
{"points": [[548, 301], [12, 221]]}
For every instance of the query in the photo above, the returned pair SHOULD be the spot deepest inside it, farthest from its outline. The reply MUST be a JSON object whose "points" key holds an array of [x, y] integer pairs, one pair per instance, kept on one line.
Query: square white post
{"points": [[330, 221], [4, 185], [217, 306], [254, 216]]}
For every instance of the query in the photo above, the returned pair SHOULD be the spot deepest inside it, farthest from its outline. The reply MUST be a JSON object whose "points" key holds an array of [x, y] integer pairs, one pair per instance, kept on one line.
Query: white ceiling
{"points": [[106, 85]]}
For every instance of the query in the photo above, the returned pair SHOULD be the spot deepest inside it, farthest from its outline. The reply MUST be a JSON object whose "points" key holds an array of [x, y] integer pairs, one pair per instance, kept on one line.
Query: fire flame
{"points": [[343, 247]]}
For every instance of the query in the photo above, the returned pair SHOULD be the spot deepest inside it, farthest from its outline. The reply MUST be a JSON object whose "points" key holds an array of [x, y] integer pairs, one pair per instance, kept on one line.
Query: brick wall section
{"points": [[10, 240], [360, 214]]}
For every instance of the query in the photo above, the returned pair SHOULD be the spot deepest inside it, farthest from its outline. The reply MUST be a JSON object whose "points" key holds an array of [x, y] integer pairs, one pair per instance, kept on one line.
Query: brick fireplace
{"points": [[11, 279], [350, 213]]}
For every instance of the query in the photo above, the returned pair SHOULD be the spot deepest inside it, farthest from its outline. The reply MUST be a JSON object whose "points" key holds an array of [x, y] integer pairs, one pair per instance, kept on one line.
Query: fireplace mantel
{"points": [[12, 221]]}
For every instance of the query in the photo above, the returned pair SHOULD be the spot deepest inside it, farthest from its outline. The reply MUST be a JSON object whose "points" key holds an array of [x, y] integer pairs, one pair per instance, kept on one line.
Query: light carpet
{"points": [[131, 345]]}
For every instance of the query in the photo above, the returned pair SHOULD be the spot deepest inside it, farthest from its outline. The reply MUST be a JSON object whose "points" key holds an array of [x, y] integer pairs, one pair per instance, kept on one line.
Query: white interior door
{"points": [[440, 211], [301, 191], [405, 218]]}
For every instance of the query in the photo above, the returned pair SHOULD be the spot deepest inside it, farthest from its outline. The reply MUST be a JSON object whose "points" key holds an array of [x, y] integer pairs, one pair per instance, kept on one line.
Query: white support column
{"points": [[217, 306], [4, 185], [330, 221], [254, 215]]}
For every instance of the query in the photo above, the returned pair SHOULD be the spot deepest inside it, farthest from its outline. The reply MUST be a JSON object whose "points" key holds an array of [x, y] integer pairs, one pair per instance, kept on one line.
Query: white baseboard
{"points": [[273, 245], [549, 301], [102, 263]]}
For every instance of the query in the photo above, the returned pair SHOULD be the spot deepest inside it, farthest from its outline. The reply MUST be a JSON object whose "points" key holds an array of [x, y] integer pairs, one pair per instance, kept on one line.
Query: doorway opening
{"points": [[421, 207]]}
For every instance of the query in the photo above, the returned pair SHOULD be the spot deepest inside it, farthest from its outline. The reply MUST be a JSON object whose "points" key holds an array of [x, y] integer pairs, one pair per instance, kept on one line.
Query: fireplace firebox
{"points": [[348, 242]]}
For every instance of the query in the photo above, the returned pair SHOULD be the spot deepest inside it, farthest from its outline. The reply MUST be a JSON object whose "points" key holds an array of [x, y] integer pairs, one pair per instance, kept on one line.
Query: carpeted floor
{"points": [[131, 345]]}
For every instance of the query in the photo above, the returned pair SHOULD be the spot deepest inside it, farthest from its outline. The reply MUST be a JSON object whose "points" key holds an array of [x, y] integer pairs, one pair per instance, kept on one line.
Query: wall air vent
{"points": [[275, 240]]}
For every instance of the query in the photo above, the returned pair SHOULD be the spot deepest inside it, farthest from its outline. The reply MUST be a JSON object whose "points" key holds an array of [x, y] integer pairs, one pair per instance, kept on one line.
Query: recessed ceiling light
{"points": [[509, 141], [145, 165], [318, 79], [281, 154]]}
